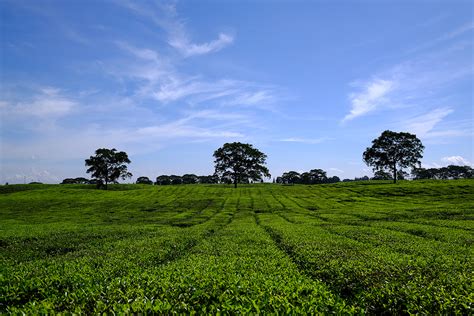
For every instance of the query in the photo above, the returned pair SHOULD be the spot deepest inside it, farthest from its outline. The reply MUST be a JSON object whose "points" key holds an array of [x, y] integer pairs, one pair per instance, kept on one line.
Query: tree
{"points": [[333, 179], [176, 179], [241, 162], [69, 181], [163, 180], [144, 180], [392, 150], [79, 180], [211, 179], [382, 175], [317, 176], [449, 172], [190, 178], [305, 178], [108, 165], [291, 177], [82, 180], [459, 172]]}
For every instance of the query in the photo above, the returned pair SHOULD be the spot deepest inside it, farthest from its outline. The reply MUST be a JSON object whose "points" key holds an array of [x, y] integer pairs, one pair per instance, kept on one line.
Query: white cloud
{"points": [[180, 130], [419, 82], [423, 125], [214, 115], [166, 17], [370, 98], [336, 170], [304, 140], [253, 98], [48, 103], [460, 30], [456, 160], [178, 88], [142, 53], [27, 175], [187, 48], [158, 79], [444, 37]]}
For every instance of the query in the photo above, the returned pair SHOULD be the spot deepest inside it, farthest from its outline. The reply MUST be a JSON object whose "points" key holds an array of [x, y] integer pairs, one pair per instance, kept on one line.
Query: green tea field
{"points": [[362, 247]]}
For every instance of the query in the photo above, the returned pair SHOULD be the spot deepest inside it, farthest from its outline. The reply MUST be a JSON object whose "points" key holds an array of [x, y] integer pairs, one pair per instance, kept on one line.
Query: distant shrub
{"points": [[79, 180], [444, 173], [144, 180], [314, 176]]}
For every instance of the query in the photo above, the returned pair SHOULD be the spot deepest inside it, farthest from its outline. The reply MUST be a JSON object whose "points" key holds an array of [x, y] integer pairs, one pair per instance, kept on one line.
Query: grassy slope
{"points": [[352, 247]]}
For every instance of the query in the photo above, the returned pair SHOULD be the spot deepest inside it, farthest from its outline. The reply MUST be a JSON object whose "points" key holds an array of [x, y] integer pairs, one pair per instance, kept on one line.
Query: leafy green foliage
{"points": [[108, 165], [449, 172], [393, 150], [346, 248], [240, 163], [143, 180]]}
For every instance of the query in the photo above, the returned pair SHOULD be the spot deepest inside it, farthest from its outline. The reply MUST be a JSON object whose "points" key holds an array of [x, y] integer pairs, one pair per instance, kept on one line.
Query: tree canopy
{"points": [[108, 165], [240, 163], [144, 180], [392, 151], [445, 173], [314, 176]]}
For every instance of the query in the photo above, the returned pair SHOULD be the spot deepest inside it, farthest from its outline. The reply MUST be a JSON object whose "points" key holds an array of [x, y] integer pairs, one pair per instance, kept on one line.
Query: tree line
{"points": [[389, 156], [444, 173], [314, 176]]}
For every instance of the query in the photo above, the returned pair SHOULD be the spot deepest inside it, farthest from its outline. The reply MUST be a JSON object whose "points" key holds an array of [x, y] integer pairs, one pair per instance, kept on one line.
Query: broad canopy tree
{"points": [[108, 165], [240, 162], [144, 180], [393, 151]]}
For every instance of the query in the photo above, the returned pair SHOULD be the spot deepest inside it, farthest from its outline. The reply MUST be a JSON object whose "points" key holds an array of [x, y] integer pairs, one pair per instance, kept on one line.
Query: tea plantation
{"points": [[364, 247]]}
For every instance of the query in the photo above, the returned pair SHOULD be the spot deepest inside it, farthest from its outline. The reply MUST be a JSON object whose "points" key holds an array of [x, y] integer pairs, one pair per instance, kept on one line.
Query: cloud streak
{"points": [[423, 125], [166, 17], [188, 49], [310, 141], [420, 82], [372, 96], [159, 79], [467, 27], [456, 160], [47, 104]]}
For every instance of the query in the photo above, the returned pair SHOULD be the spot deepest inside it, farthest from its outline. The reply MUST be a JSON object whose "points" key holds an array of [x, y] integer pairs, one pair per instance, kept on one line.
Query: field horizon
{"points": [[357, 247]]}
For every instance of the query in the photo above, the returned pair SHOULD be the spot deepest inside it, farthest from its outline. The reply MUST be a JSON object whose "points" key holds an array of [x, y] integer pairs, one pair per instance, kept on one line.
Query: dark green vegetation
{"points": [[392, 150], [342, 248], [240, 163], [107, 166]]}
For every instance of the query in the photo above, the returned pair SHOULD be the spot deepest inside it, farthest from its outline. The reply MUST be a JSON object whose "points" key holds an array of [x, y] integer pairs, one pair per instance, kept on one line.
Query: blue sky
{"points": [[309, 83]]}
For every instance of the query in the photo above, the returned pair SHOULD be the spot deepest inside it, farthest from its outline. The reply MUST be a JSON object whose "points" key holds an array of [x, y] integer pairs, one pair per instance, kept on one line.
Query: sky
{"points": [[309, 83]]}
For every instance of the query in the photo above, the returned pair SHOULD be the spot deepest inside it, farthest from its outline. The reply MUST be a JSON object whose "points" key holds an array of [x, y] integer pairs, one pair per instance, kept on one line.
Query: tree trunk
{"points": [[395, 172]]}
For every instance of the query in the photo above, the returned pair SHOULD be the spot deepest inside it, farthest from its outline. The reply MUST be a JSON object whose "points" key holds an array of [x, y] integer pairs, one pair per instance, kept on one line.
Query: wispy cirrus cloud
{"points": [[160, 80], [158, 75], [419, 82], [47, 103], [188, 48], [456, 160], [166, 17], [424, 124], [253, 98], [465, 28], [141, 53], [336, 170], [448, 160], [372, 96], [435, 125], [304, 140]]}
